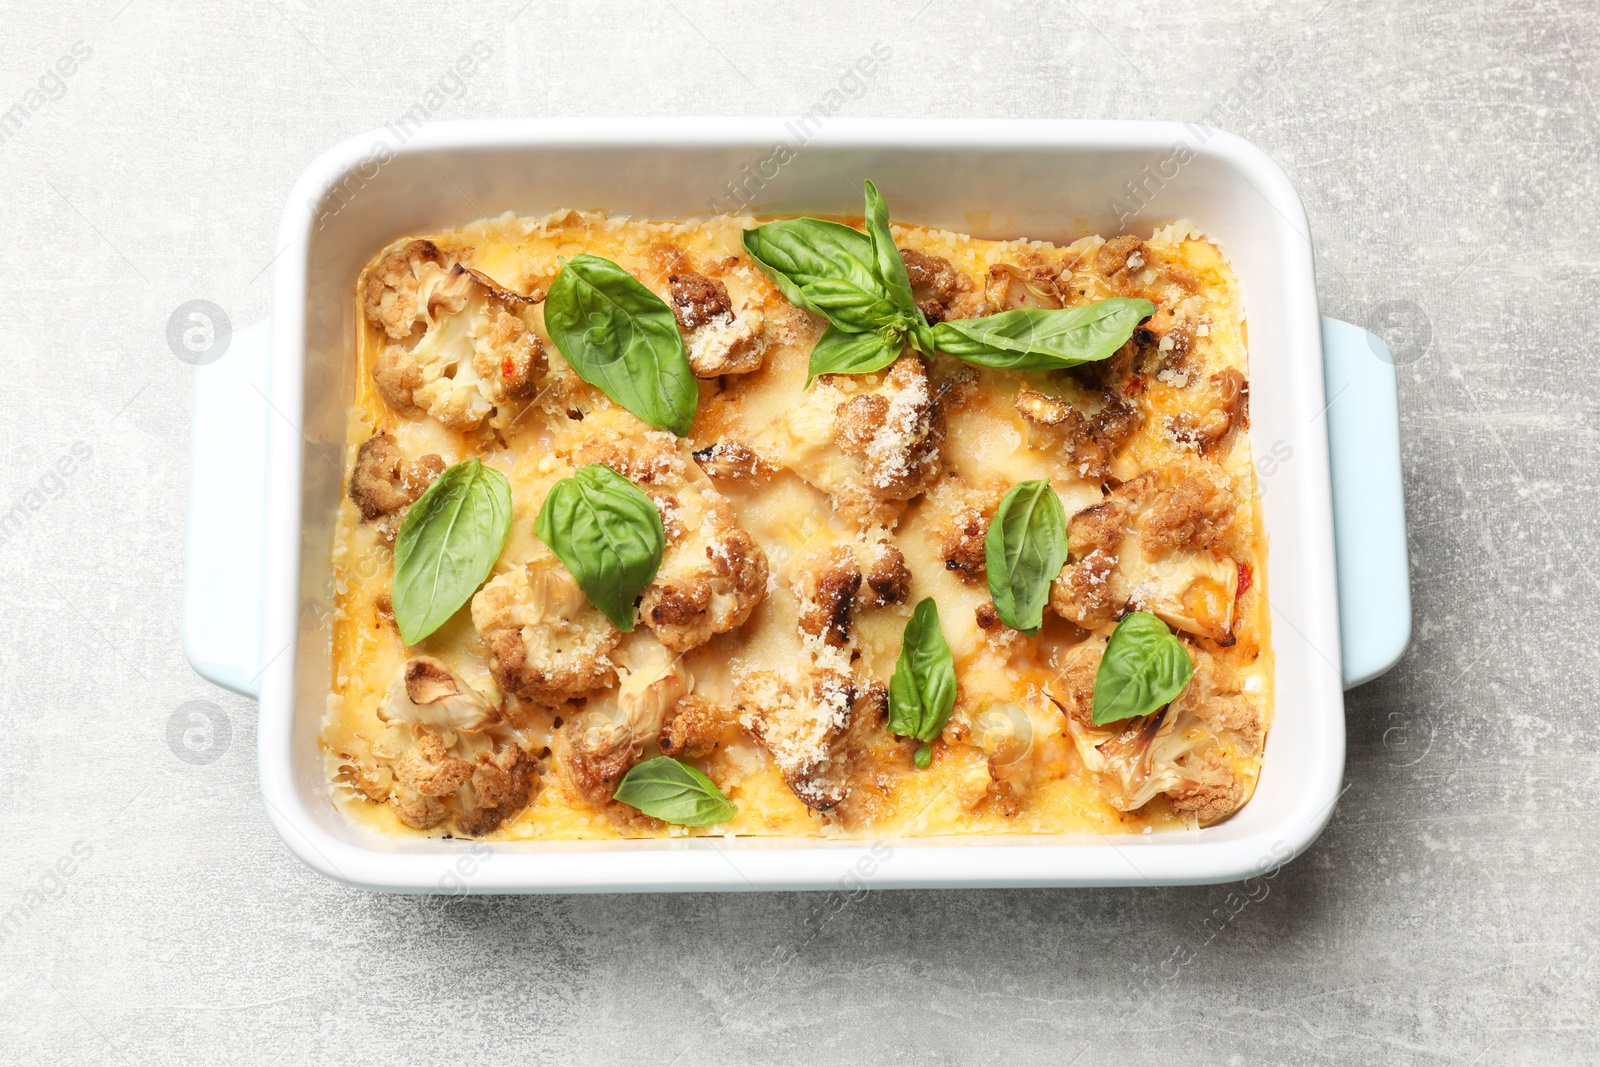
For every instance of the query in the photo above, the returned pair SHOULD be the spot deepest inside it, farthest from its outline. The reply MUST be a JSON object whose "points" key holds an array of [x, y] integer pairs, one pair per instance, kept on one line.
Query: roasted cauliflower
{"points": [[1150, 546], [800, 720], [383, 483], [1168, 752], [834, 583], [476, 359], [869, 441], [713, 573], [719, 341], [547, 643], [608, 736], [445, 755]]}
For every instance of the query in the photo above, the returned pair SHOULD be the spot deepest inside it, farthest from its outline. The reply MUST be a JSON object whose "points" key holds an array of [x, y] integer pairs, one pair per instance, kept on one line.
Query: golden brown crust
{"points": [[962, 544], [1213, 799], [1092, 442], [888, 579], [935, 284], [429, 768], [1085, 593], [694, 728], [827, 595], [383, 482], [871, 442], [1207, 430], [504, 783], [690, 606], [698, 300], [547, 644], [398, 378], [1189, 515]]}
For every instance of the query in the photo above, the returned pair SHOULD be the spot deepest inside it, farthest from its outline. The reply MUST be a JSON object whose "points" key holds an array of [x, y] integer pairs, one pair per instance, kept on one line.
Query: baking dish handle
{"points": [[1369, 516], [222, 575]]}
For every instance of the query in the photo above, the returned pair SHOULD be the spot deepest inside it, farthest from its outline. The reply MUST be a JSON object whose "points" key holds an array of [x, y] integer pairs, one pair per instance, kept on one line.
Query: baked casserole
{"points": [[796, 528]]}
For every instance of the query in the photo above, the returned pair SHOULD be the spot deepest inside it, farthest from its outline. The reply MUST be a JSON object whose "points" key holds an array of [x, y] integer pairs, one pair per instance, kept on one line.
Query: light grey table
{"points": [[1447, 160]]}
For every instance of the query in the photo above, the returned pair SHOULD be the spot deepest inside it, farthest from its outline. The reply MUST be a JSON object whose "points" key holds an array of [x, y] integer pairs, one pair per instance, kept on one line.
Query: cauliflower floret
{"points": [[445, 755], [412, 283], [710, 580], [1168, 752], [1214, 794], [869, 441], [599, 745], [547, 643], [713, 573], [959, 513], [698, 300], [694, 728], [1090, 443], [731, 459], [1147, 546], [1087, 591], [800, 722], [472, 365], [427, 693], [383, 483], [719, 340], [935, 283], [734, 345], [834, 583]]}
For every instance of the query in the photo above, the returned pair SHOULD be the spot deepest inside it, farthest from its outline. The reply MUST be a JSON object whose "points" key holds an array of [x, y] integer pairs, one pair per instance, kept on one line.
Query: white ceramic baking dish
{"points": [[269, 429]]}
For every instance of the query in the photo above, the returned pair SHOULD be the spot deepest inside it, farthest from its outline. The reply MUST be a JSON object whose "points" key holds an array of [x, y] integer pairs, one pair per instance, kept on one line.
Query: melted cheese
{"points": [[1006, 763]]}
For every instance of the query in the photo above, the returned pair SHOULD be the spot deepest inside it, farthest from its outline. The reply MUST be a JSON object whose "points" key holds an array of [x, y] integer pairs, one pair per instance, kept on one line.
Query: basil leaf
{"points": [[674, 792], [608, 535], [447, 545], [1023, 552], [1144, 667], [891, 269], [622, 339], [1043, 338], [922, 691], [798, 254], [850, 307], [838, 352]]}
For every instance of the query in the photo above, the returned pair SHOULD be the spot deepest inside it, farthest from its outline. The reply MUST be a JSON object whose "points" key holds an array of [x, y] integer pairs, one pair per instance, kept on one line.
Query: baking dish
{"points": [[268, 433]]}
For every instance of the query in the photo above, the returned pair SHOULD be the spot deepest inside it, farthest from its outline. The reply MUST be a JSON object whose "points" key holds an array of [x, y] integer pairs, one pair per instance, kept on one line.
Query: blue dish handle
{"points": [[1369, 511], [225, 536]]}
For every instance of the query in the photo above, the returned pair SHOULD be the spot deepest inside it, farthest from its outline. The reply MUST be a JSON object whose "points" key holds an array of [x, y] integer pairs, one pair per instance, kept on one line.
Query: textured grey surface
{"points": [[1448, 914]]}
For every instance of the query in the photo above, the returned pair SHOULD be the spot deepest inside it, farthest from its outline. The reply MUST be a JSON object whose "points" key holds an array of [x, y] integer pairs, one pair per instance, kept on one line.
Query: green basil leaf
{"points": [[891, 269], [1144, 667], [838, 352], [798, 254], [922, 691], [1024, 550], [622, 339], [607, 534], [674, 792], [851, 308], [447, 545], [1043, 338]]}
